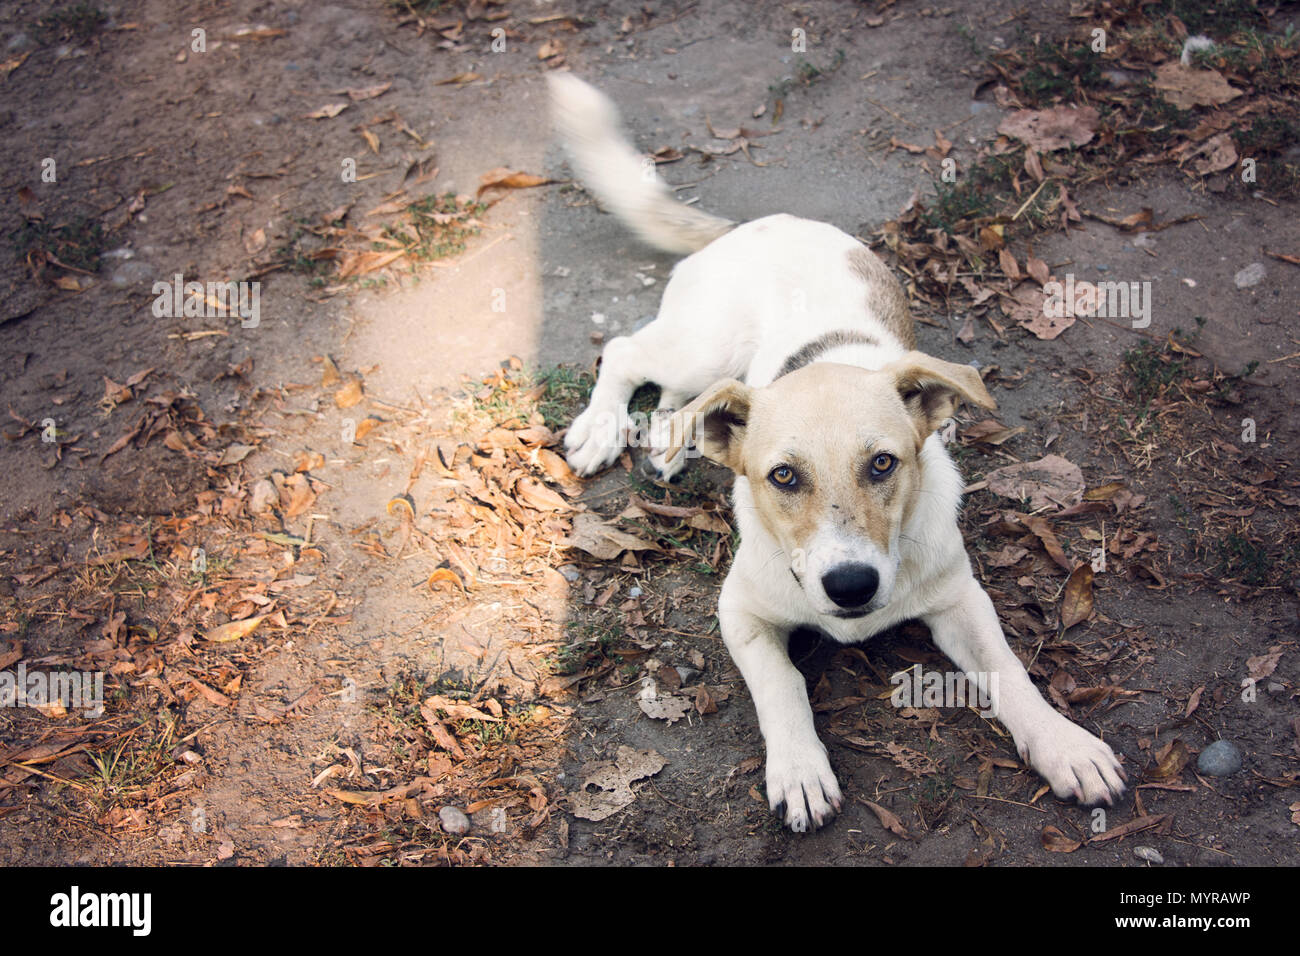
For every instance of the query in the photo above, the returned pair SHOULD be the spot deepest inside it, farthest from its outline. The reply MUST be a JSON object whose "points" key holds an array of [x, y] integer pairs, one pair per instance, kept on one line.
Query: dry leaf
{"points": [[1049, 481], [1051, 129], [1076, 602], [329, 111], [503, 178], [234, 630], [1054, 841], [1185, 87], [604, 540], [612, 780], [349, 394], [888, 819]]}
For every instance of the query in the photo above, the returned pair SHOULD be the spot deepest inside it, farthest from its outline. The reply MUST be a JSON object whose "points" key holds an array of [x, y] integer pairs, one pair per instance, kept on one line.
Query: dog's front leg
{"points": [[799, 775], [1073, 761]]}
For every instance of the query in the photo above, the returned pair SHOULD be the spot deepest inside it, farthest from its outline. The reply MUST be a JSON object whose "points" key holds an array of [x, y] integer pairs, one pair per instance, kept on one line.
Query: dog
{"points": [[785, 352]]}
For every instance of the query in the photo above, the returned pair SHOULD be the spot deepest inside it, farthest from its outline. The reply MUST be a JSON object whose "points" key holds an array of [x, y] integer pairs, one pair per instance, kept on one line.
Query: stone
{"points": [[1220, 759], [453, 821]]}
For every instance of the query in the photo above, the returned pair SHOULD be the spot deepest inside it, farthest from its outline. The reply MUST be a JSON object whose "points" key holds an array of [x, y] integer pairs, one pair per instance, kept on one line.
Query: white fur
{"points": [[737, 309]]}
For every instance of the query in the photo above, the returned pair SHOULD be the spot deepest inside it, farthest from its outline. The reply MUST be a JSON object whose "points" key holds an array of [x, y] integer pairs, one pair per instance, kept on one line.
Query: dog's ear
{"points": [[716, 421], [932, 388]]}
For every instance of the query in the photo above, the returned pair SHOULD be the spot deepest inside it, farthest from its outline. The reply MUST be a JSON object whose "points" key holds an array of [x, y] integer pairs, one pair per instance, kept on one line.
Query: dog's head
{"points": [[832, 455]]}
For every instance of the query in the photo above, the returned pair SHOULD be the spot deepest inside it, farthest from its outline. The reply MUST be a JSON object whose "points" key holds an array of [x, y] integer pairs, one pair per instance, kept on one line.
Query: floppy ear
{"points": [[932, 388], [716, 421]]}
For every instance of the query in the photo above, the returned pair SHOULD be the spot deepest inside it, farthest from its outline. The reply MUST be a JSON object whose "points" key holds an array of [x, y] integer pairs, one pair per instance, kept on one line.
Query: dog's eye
{"points": [[783, 476], [882, 465]]}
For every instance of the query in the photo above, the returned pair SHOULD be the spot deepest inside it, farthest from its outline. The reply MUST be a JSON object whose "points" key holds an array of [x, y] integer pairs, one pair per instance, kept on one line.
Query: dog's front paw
{"points": [[801, 785], [593, 442], [1074, 762]]}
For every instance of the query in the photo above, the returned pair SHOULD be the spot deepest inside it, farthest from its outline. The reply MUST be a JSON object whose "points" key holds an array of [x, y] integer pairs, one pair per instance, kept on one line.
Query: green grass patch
{"points": [[77, 242], [75, 23]]}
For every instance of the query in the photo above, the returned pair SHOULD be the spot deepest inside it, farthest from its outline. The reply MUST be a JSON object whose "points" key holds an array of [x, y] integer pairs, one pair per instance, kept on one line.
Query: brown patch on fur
{"points": [[823, 344], [886, 299]]}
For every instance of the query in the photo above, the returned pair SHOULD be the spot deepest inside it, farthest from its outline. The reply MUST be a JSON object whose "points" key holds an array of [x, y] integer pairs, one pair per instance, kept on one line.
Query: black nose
{"points": [[851, 585]]}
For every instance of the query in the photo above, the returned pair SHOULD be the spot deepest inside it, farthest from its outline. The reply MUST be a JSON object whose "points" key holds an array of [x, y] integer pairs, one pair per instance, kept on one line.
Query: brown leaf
{"points": [[1027, 307], [234, 630], [1076, 602], [888, 819], [503, 178], [1042, 529], [1054, 841], [1009, 266], [537, 496], [604, 540], [612, 782], [1133, 826], [1051, 129], [1170, 761], [1186, 87], [460, 79], [1215, 155], [368, 92], [1264, 665], [1049, 481], [329, 111], [349, 394]]}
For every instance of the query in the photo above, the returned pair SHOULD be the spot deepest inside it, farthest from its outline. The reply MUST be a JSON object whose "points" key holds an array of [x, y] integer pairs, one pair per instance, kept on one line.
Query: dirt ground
{"points": [[326, 558]]}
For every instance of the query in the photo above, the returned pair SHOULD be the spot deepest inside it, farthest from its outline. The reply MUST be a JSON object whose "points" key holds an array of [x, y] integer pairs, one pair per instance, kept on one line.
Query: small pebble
{"points": [[1252, 275], [454, 821], [570, 573], [635, 592], [687, 674], [1150, 854], [1221, 759]]}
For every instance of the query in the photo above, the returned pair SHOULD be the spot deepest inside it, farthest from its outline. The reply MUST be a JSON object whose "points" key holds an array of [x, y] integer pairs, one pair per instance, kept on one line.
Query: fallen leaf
{"points": [[1264, 665], [235, 630], [1049, 481], [1026, 306], [329, 111], [368, 92], [888, 819], [460, 79], [1215, 155], [1052, 129], [1054, 841], [349, 394], [612, 780], [1170, 761], [603, 540], [1185, 87], [1076, 602], [503, 178]]}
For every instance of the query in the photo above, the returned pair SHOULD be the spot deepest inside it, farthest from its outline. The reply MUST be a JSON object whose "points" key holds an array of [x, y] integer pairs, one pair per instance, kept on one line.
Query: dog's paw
{"points": [[655, 466], [1074, 762], [593, 442], [801, 786]]}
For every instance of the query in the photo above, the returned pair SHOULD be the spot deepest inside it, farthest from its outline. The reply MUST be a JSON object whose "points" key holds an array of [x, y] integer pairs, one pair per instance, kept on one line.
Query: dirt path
{"points": [[357, 472]]}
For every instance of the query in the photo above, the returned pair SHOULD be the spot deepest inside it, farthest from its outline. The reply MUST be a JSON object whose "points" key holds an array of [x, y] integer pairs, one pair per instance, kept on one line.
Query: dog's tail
{"points": [[624, 181]]}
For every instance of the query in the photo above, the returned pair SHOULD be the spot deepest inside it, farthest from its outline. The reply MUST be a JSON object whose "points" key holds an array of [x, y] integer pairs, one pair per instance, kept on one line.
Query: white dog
{"points": [[845, 497]]}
